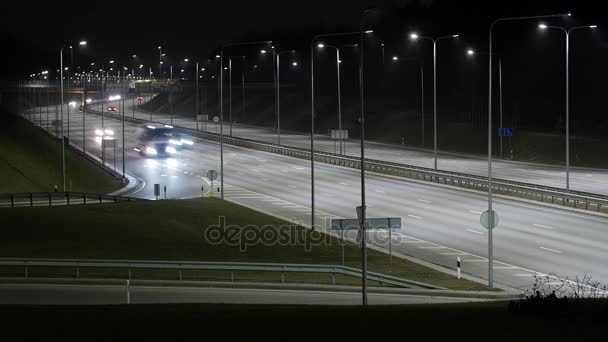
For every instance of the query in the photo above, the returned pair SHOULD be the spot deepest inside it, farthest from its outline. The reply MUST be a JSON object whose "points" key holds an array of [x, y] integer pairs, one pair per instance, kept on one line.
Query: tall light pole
{"points": [[82, 43], [278, 86], [312, 118], [338, 62], [471, 53], [221, 85], [415, 36], [567, 33], [490, 212], [363, 205], [160, 61]]}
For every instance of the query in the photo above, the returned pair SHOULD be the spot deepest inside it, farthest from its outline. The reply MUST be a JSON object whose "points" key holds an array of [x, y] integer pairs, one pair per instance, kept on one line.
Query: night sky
{"points": [[533, 61]]}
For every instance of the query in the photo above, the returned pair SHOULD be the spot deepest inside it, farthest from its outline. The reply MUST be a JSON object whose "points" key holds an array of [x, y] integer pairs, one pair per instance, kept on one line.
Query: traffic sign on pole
{"points": [[486, 220], [505, 132]]}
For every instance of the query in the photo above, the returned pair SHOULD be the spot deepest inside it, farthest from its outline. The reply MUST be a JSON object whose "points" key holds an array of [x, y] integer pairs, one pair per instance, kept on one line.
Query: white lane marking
{"points": [[523, 274], [342, 183], [424, 201], [475, 231], [550, 249], [303, 209], [326, 194], [475, 260], [414, 216], [292, 186], [379, 191], [279, 203], [264, 179], [282, 170], [252, 196], [298, 168], [542, 226], [173, 176], [254, 170], [163, 175], [292, 206], [431, 247], [453, 253], [475, 212], [504, 267]]}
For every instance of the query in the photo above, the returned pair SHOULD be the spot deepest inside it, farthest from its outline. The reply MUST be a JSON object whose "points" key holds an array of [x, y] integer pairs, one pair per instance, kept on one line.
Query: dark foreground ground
{"points": [[495, 321]]}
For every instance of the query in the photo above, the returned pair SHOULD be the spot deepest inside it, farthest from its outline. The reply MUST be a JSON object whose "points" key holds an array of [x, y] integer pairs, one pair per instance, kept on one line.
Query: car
{"points": [[162, 141], [112, 109]]}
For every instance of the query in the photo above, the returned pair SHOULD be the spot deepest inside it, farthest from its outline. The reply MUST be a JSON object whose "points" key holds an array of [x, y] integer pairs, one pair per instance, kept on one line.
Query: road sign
{"points": [[360, 213], [216, 119], [212, 175], [485, 219], [371, 223], [505, 132], [339, 134]]}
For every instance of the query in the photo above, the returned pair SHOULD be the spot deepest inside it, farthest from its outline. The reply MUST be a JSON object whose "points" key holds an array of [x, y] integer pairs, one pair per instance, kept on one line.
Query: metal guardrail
{"points": [[232, 267], [500, 186], [59, 198]]}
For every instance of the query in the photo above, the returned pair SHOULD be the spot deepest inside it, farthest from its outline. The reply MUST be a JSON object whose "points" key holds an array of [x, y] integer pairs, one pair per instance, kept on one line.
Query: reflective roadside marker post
{"points": [[165, 191], [211, 175], [458, 267]]}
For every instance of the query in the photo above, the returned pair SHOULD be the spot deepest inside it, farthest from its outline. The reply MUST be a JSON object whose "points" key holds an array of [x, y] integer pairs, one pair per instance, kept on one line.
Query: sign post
{"points": [[156, 190], [211, 175], [369, 224], [489, 220]]}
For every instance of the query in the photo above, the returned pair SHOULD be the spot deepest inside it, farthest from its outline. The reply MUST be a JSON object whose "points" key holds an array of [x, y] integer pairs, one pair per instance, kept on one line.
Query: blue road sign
{"points": [[505, 132]]}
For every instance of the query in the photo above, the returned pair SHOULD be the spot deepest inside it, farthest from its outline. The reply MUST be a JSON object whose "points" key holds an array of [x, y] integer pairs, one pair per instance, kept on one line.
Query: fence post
{"points": [[84, 198], [99, 198], [26, 272], [283, 275], [50, 199], [128, 291], [31, 200], [180, 275], [68, 197], [232, 276], [12, 201]]}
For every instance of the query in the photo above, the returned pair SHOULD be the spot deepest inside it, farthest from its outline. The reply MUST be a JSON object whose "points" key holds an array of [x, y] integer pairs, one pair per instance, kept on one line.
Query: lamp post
{"points": [[82, 43], [278, 86], [221, 85], [567, 34], [338, 61], [490, 212], [415, 36], [312, 117]]}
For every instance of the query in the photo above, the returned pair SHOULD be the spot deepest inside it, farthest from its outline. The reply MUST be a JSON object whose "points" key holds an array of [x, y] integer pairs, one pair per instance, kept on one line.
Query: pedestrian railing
{"points": [[31, 199], [179, 267]]}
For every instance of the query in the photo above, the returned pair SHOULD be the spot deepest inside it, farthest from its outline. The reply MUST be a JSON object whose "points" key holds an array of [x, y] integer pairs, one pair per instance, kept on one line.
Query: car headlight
{"points": [[186, 141], [151, 151], [109, 132], [175, 142], [170, 150], [98, 132]]}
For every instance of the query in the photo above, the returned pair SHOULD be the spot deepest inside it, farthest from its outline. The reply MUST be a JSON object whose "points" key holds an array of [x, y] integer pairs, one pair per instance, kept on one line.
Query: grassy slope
{"points": [[174, 230], [31, 161]]}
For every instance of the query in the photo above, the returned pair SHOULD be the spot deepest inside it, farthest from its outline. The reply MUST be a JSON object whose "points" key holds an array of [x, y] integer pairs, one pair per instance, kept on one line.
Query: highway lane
{"points": [[440, 223], [581, 179], [144, 294]]}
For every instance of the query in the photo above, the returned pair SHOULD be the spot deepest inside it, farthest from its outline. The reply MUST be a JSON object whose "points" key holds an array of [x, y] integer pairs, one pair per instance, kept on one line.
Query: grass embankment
{"points": [[175, 230], [30, 161]]}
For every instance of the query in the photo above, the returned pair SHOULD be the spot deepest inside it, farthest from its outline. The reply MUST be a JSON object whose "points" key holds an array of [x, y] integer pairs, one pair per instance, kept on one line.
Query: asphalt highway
{"points": [[439, 223]]}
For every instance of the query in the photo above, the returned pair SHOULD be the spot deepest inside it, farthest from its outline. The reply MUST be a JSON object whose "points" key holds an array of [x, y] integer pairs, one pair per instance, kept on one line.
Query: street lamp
{"points": [[62, 104], [415, 36], [221, 81], [567, 33], [338, 61], [490, 214], [312, 115], [278, 91]]}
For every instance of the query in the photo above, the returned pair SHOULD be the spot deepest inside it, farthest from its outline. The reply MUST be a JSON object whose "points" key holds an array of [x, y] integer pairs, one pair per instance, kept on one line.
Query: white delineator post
{"points": [[458, 267]]}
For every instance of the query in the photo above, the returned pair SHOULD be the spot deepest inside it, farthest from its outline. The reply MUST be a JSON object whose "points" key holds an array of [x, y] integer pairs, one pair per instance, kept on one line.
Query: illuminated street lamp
{"points": [[567, 33], [416, 36]]}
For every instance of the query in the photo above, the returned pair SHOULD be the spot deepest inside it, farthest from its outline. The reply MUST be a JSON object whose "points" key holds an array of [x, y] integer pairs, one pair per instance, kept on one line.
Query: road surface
{"points": [[439, 223]]}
